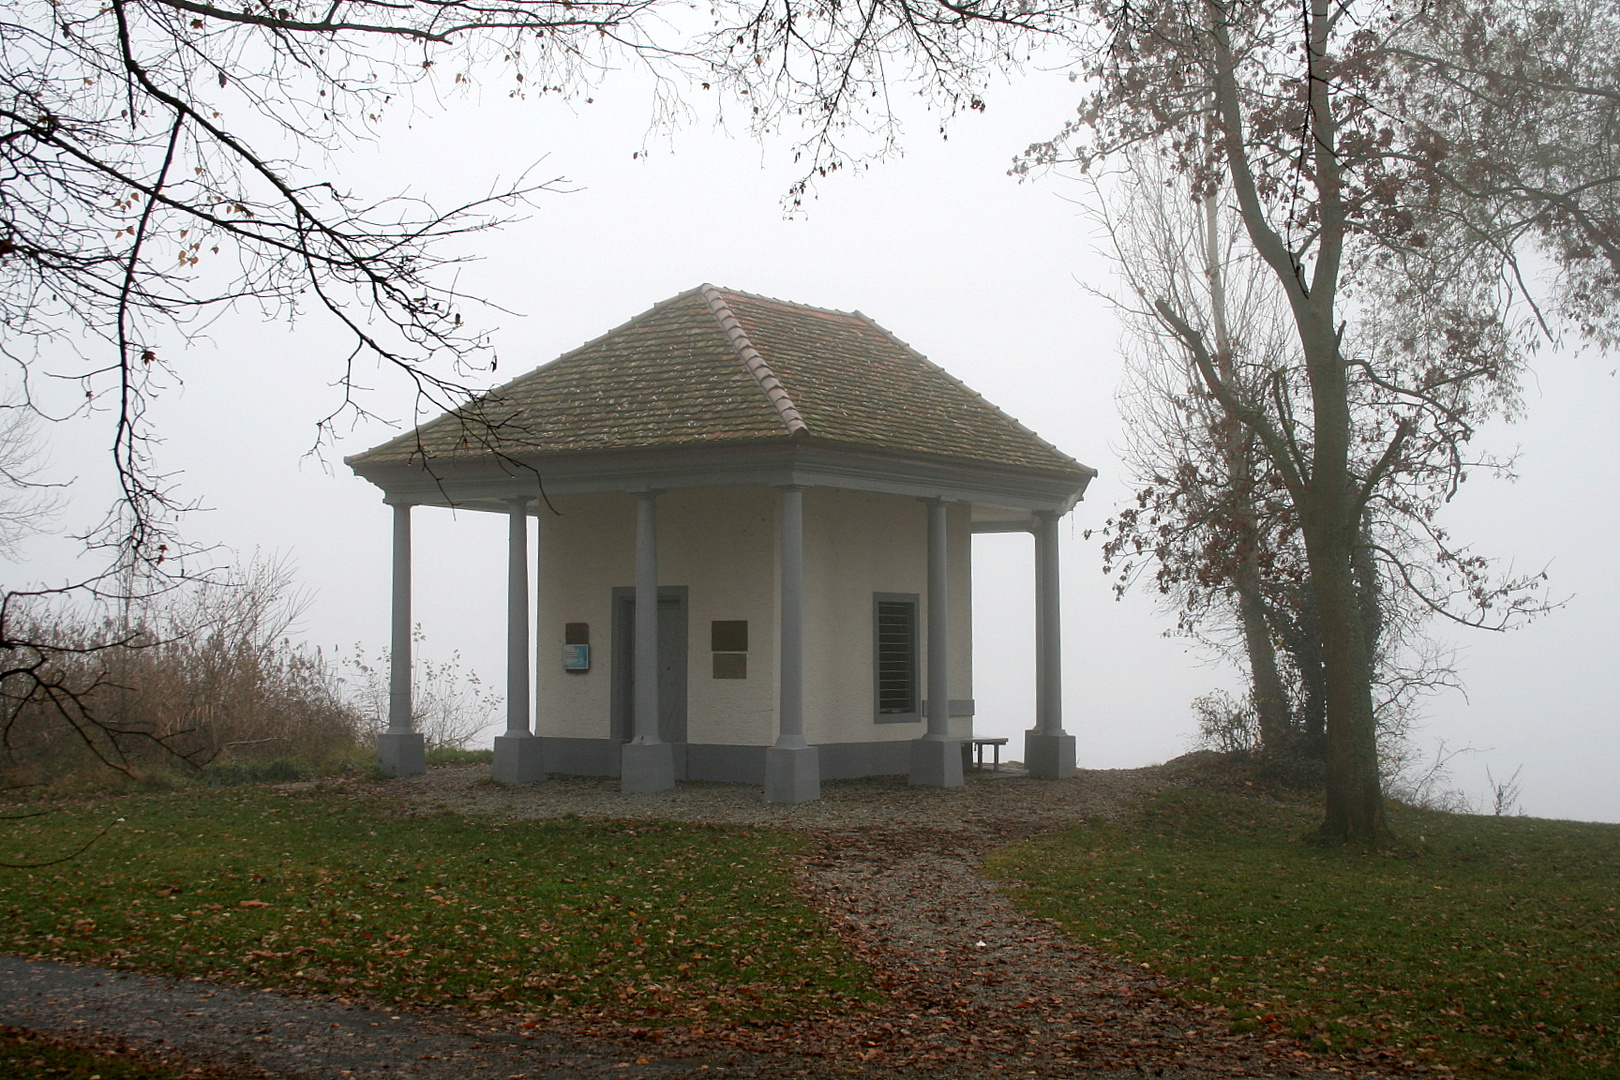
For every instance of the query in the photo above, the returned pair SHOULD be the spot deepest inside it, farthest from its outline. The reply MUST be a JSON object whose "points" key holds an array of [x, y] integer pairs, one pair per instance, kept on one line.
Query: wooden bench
{"points": [[995, 747]]}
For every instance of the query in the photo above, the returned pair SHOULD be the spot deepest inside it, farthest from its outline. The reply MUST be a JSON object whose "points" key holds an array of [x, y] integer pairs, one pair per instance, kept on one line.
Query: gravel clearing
{"points": [[990, 800], [973, 986]]}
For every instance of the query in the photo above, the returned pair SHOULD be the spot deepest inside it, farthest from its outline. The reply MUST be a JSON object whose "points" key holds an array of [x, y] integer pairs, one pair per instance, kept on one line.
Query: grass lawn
{"points": [[26, 1055], [1490, 945], [655, 924]]}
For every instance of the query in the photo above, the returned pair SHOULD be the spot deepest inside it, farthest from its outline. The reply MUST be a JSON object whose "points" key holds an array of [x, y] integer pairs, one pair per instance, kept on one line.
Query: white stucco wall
{"points": [[857, 544], [585, 550], [722, 544], [718, 542]]}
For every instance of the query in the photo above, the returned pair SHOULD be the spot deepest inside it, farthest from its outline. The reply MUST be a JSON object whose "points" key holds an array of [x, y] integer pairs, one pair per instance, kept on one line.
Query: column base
{"points": [[792, 774], [645, 767], [401, 753], [518, 760], [936, 762], [1050, 757]]}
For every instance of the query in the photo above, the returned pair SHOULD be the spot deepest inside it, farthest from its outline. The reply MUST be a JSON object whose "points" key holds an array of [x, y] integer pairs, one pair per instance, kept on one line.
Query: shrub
{"points": [[450, 706], [1226, 725], [448, 755], [206, 676], [232, 773], [207, 681]]}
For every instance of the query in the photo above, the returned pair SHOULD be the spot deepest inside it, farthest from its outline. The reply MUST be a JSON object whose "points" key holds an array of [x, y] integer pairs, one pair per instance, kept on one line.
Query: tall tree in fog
{"points": [[1336, 132]]}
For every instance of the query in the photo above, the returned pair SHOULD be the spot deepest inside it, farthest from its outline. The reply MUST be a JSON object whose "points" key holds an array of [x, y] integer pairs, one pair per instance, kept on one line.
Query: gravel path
{"points": [[973, 986], [268, 1034], [990, 800]]}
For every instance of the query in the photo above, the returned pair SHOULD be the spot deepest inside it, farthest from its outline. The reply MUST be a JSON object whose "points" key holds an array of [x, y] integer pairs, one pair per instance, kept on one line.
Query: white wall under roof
{"points": [[857, 544], [721, 543], [588, 547]]}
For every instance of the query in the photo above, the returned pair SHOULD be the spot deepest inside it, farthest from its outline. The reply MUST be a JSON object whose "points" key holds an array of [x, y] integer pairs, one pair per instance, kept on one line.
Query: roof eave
{"points": [[486, 482]]}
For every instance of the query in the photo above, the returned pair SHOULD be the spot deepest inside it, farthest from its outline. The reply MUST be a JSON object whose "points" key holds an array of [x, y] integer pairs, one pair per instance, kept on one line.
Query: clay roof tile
{"points": [[717, 365]]}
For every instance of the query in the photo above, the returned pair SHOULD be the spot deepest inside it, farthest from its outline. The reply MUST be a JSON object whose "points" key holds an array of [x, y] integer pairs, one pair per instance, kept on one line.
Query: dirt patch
{"points": [[993, 801]]}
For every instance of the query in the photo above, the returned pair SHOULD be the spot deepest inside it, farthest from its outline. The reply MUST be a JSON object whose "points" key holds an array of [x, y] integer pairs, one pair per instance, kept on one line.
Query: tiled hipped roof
{"points": [[712, 366]]}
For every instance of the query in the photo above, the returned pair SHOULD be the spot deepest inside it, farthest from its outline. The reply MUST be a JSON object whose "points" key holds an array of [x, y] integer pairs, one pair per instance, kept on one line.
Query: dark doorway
{"points": [[671, 667]]}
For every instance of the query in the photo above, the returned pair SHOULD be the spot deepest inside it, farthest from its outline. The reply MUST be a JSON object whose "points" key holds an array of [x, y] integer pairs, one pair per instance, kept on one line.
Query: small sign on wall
{"points": [[576, 646], [729, 640]]}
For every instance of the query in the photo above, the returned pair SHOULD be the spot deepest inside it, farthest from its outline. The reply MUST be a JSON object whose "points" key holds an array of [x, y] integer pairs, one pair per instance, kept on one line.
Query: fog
{"points": [[986, 276]]}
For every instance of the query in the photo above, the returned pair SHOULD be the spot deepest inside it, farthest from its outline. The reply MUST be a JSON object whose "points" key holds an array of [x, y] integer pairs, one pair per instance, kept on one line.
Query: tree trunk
{"points": [[1355, 804], [1266, 682], [1303, 640], [1325, 494], [1369, 594], [1236, 444], [1330, 522]]}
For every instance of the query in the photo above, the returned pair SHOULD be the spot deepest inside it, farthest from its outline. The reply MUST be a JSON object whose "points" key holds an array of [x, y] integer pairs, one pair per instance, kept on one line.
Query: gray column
{"points": [[538, 616], [517, 617], [517, 753], [791, 673], [1049, 661], [939, 624], [792, 766], [399, 652], [645, 714], [1048, 752], [1041, 684], [936, 758], [401, 750], [646, 763]]}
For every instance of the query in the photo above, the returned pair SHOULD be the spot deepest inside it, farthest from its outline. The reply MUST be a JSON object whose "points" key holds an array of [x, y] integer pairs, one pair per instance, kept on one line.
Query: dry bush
{"points": [[1225, 724], [206, 673], [1414, 777], [449, 705]]}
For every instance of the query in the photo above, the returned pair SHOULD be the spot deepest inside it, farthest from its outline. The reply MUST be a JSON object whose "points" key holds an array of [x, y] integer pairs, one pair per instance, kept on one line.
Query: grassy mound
{"points": [[309, 890], [1486, 944]]}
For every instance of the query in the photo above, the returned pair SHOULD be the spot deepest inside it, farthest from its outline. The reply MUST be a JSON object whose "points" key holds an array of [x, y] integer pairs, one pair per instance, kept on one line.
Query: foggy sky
{"points": [[981, 273]]}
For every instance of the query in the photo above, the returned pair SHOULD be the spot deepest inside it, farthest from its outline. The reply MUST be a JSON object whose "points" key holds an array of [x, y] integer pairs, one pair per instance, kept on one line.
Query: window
{"points": [[728, 639], [894, 657]]}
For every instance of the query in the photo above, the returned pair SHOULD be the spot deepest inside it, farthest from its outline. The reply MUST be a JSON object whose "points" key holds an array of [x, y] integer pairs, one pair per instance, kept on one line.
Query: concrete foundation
{"points": [[645, 767], [792, 774], [401, 753], [936, 762], [519, 759], [1050, 757]]}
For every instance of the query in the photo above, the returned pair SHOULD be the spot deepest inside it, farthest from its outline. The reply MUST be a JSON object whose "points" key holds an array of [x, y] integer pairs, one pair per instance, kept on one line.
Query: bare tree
{"points": [[1409, 320], [1211, 517], [1519, 104], [166, 161], [828, 75], [29, 503]]}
